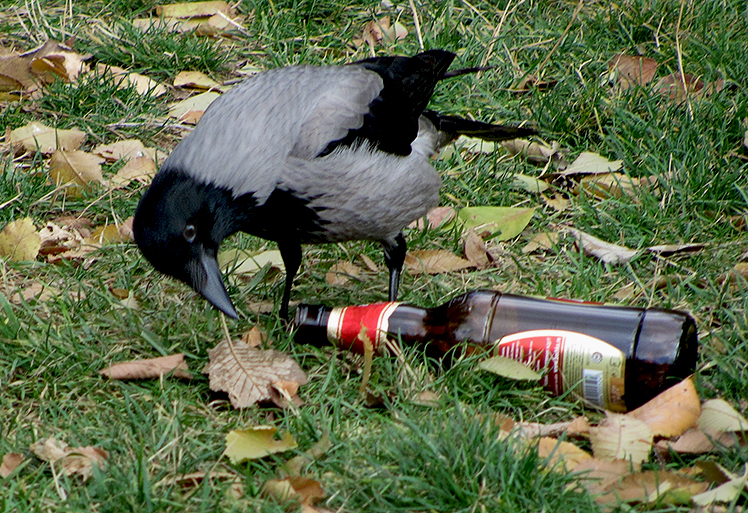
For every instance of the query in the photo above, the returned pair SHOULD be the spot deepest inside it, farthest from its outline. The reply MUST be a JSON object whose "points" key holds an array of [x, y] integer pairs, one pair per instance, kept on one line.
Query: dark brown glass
{"points": [[660, 346]]}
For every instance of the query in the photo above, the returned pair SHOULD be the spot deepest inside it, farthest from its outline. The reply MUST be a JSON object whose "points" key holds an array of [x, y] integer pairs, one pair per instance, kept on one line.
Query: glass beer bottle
{"points": [[615, 357]]}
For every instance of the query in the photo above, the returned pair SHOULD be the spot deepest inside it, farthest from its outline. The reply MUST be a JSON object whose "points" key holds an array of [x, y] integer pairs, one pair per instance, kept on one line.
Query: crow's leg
{"points": [[394, 256], [290, 251]]}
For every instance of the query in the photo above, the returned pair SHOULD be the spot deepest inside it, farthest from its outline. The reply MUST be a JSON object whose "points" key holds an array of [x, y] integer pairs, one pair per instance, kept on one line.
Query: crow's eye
{"points": [[189, 232]]}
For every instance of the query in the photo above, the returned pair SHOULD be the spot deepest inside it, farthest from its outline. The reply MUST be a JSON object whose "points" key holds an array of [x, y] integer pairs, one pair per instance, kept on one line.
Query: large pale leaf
{"points": [[19, 241], [672, 412], [76, 168], [717, 415], [248, 374], [591, 163], [726, 492], [434, 261], [508, 368], [605, 251], [505, 222], [621, 437], [34, 135]]}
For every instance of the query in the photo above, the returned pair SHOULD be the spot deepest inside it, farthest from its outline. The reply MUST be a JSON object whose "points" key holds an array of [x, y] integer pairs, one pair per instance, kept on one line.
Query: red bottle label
{"points": [[351, 327], [575, 362]]}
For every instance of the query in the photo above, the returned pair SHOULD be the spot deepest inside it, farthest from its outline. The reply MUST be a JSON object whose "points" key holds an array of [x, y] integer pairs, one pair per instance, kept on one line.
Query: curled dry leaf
{"points": [[543, 241], [672, 412], [256, 442], [76, 168], [15, 75], [588, 163], [621, 437], [10, 463], [56, 239], [605, 251], [573, 428], [124, 79], [614, 185], [299, 489], [537, 152], [247, 374], [341, 273], [55, 60], [369, 263], [694, 441], [72, 460], [632, 71], [475, 249], [193, 9], [36, 136], [435, 261], [19, 241], [382, 29], [255, 337], [150, 368], [726, 492]]}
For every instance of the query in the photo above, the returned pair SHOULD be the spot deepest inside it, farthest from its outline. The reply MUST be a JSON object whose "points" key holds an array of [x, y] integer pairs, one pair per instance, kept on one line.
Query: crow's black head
{"points": [[179, 225]]}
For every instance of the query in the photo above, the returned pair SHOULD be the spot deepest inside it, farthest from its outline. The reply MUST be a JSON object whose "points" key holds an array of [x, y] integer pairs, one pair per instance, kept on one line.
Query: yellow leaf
{"points": [[139, 169], [76, 168], [503, 223], [621, 437], [508, 368], [561, 452], [256, 442], [717, 415], [192, 105], [672, 412], [196, 80], [47, 140], [192, 9], [435, 261], [19, 241]]}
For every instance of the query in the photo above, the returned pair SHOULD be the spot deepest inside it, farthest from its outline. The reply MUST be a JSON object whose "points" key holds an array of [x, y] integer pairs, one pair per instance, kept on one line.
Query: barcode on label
{"points": [[592, 386]]}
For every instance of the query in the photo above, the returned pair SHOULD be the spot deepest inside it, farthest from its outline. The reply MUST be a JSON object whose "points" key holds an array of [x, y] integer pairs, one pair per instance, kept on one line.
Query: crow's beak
{"points": [[212, 287]]}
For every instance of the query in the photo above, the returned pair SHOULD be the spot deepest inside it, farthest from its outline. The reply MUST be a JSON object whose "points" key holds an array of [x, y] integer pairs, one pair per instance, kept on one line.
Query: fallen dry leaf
{"points": [[694, 441], [197, 80], [671, 249], [718, 416], [19, 241], [124, 79], [565, 453], [574, 428], [139, 169], [542, 240], [193, 9], [256, 442], [537, 152], [55, 60], [672, 412], [596, 475], [247, 374], [676, 87], [149, 368], [621, 437], [58, 239], [605, 251], [341, 273], [191, 109], [475, 249], [294, 488], [434, 261], [613, 185], [10, 463], [632, 71], [76, 168], [508, 368], [255, 337], [36, 136], [381, 29], [726, 492], [588, 163], [436, 218], [15, 75], [369, 263], [125, 149], [652, 486], [72, 460]]}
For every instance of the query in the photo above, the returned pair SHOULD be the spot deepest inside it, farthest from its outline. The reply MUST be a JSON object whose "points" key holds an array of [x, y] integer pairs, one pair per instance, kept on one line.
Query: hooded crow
{"points": [[304, 155]]}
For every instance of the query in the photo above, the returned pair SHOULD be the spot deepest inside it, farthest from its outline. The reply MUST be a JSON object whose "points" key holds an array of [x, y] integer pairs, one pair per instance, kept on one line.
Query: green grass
{"points": [[403, 456]]}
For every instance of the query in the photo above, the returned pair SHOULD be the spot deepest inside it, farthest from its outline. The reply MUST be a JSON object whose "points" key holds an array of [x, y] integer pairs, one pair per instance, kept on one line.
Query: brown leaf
{"points": [[55, 239], [247, 374], [436, 218], [191, 109], [124, 79], [341, 273], [369, 263], [632, 71], [197, 80], [255, 337], [576, 427], [15, 74], [47, 140], [694, 441], [76, 168], [475, 249], [434, 261], [537, 153], [10, 463], [605, 251], [672, 412], [294, 488], [19, 241], [542, 240], [55, 60], [652, 486], [150, 368], [72, 460], [676, 87]]}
